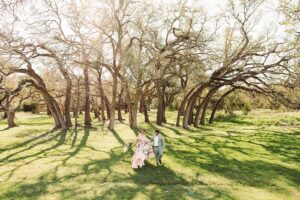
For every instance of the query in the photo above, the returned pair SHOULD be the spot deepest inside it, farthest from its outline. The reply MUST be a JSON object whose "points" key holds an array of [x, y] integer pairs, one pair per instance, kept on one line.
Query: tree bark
{"points": [[120, 105], [160, 103], [77, 103], [203, 114], [132, 107], [119, 112], [67, 104], [87, 115], [11, 118], [191, 115], [203, 107], [182, 106], [102, 109], [164, 119], [104, 100], [144, 108], [135, 106], [50, 101], [217, 105], [48, 111], [190, 103], [111, 125]]}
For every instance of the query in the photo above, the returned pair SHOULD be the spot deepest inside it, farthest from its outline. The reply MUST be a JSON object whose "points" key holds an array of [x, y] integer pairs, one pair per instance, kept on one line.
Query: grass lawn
{"points": [[247, 157]]}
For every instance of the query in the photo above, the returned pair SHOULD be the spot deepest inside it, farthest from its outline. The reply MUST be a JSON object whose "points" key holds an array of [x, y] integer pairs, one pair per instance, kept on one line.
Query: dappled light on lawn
{"points": [[247, 156]]}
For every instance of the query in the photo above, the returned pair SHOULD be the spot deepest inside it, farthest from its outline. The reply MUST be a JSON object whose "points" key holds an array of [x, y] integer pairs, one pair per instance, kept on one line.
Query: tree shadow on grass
{"points": [[26, 191], [176, 131], [5, 129], [117, 136], [39, 188], [284, 144], [136, 131], [59, 137], [253, 172], [15, 156], [47, 134], [165, 182], [82, 144], [232, 119]]}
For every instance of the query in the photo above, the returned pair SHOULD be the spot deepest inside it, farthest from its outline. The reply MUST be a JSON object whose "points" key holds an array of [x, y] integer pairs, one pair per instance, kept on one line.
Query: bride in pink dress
{"points": [[142, 152]]}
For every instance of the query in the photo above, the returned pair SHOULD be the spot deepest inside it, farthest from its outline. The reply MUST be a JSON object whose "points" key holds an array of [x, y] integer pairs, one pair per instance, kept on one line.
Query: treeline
{"points": [[107, 56]]}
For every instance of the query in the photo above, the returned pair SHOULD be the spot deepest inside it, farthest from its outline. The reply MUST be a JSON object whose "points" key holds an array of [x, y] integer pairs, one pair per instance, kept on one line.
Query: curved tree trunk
{"points": [[182, 106], [203, 114], [41, 87], [190, 104], [188, 110], [199, 109], [203, 106], [48, 111], [51, 103], [58, 113], [66, 76], [53, 107], [191, 114], [217, 105], [52, 112]]}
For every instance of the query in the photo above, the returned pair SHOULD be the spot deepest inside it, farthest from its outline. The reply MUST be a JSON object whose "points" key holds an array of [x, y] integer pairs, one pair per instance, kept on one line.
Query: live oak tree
{"points": [[11, 99], [137, 55]]}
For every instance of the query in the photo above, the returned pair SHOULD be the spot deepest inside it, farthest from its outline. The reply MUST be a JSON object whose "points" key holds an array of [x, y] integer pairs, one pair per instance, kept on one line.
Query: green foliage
{"points": [[237, 102], [246, 108]]}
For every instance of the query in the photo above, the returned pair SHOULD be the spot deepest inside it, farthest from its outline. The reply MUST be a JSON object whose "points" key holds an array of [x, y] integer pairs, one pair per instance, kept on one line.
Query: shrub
{"points": [[33, 107], [246, 108]]}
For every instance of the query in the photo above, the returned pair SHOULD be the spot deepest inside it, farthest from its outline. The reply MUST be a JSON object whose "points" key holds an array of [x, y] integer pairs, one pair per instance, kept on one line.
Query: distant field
{"points": [[245, 157]]}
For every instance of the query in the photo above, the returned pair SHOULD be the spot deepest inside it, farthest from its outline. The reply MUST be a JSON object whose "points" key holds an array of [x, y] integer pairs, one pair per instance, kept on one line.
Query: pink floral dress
{"points": [[142, 152]]}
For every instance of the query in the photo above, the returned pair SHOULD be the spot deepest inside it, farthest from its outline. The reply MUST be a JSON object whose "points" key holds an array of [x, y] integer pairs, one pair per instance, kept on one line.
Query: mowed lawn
{"points": [[247, 157]]}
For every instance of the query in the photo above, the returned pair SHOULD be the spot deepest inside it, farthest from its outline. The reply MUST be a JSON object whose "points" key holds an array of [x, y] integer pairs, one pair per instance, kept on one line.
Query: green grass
{"points": [[244, 157]]}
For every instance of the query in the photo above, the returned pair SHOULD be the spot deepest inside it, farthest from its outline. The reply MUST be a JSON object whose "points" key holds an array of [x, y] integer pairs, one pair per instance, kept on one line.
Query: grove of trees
{"points": [[107, 57]]}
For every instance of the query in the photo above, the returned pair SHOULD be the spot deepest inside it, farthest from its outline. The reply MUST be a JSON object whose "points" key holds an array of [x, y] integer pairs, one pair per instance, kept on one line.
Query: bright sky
{"points": [[269, 19]]}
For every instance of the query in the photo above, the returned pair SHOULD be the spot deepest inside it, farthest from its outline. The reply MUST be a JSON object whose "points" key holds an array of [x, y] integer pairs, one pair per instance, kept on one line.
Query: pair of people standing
{"points": [[146, 149]]}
